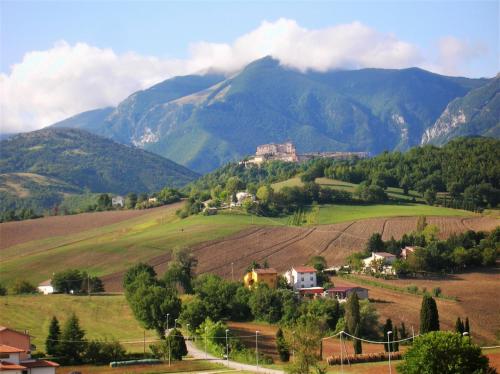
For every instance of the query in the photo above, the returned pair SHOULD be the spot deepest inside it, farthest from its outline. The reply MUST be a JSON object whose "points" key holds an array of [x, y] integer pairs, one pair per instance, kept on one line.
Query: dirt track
{"points": [[285, 246]]}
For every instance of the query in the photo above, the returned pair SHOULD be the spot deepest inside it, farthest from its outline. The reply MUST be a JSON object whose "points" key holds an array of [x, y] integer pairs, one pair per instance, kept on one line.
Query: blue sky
{"points": [[54, 53]]}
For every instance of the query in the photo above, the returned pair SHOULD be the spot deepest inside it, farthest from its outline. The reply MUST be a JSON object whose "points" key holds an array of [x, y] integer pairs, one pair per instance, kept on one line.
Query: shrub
{"points": [[412, 289], [102, 351], [23, 287], [3, 290], [436, 292]]}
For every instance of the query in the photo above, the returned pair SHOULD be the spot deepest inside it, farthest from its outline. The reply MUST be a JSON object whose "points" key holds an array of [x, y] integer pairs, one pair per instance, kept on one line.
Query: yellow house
{"points": [[266, 276]]}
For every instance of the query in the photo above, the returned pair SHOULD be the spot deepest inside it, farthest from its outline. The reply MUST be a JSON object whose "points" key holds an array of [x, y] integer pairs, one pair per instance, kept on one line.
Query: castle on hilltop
{"points": [[287, 152]]}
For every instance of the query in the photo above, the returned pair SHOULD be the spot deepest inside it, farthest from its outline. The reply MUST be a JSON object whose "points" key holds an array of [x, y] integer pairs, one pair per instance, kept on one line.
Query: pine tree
{"points": [[358, 349], [395, 345], [459, 326], [403, 331], [282, 347], [53, 338], [72, 343], [352, 313], [429, 316], [466, 326], [387, 328]]}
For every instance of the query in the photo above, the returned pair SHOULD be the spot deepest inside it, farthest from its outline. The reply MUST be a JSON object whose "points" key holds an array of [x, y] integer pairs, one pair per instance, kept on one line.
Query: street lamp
{"points": [[227, 349], [168, 334], [175, 323], [168, 314], [389, 347], [187, 326], [257, 347]]}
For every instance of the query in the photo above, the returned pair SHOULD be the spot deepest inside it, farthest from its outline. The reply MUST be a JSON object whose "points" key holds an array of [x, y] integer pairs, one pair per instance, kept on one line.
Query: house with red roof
{"points": [[15, 358], [301, 277]]}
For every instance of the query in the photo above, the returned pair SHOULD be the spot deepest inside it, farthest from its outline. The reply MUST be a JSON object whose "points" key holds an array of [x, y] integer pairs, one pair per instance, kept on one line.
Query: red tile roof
{"points": [[8, 349], [6, 365], [39, 364], [266, 271], [304, 269], [47, 282]]}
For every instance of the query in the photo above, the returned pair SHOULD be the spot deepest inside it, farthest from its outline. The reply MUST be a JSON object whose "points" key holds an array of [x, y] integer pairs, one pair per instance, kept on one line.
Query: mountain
{"points": [[60, 160], [203, 121], [477, 113]]}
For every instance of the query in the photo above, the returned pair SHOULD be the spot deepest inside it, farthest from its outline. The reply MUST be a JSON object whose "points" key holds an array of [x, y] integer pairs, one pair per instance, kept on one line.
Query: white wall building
{"points": [[46, 287], [118, 201], [301, 277]]}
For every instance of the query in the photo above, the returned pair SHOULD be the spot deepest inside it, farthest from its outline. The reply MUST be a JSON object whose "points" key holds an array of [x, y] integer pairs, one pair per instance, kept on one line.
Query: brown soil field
{"points": [[245, 331], [13, 233], [478, 298]]}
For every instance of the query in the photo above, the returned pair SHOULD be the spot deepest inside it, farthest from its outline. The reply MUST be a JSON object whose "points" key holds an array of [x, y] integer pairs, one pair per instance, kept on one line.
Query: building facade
{"points": [[261, 276], [301, 277]]}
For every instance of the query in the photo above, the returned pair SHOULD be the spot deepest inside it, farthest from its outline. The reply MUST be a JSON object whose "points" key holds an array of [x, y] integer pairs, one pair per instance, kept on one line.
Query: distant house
{"points": [[15, 357], [380, 262], [301, 277], [152, 200], [241, 197], [342, 293], [312, 292], [46, 287], [118, 201], [407, 251], [265, 276]]}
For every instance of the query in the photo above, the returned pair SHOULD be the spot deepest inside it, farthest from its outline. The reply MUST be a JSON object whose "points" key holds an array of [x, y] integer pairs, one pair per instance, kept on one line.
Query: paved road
{"points": [[199, 354]]}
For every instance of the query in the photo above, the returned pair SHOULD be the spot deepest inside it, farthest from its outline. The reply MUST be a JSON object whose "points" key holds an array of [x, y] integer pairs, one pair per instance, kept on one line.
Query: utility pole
{"points": [[206, 354], [232, 271], [257, 347], [413, 334], [168, 335], [144, 343], [341, 354], [389, 347], [227, 349], [88, 284]]}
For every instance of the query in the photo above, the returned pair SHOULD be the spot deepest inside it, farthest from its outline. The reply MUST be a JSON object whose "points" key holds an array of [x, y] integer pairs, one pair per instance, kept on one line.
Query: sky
{"points": [[60, 58]]}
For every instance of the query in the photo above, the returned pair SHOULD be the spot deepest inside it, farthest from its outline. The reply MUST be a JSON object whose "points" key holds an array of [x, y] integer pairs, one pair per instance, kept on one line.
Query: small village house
{"points": [[118, 201], [46, 287], [261, 276], [342, 293], [407, 251], [15, 354], [312, 292], [301, 277], [379, 262], [241, 197]]}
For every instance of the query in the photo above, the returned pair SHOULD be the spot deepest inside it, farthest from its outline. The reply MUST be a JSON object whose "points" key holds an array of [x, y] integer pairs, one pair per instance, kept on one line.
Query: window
{"points": [[302, 279], [311, 278]]}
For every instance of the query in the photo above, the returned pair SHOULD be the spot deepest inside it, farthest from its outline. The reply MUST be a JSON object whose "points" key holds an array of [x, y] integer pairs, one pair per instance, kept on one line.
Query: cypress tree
{"points": [[429, 316], [358, 349], [395, 345], [282, 347], [459, 326], [403, 331], [72, 344], [352, 313], [53, 337], [387, 328], [466, 326]]}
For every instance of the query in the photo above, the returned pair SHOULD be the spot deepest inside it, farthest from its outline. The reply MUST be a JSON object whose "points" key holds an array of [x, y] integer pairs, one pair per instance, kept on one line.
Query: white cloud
{"points": [[50, 85], [454, 54]]}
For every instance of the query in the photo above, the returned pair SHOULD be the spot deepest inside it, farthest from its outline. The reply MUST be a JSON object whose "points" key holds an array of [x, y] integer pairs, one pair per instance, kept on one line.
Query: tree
{"points": [[429, 316], [265, 304], [135, 270], [358, 349], [466, 326], [68, 281], [305, 342], [459, 326], [72, 344], [216, 294], [352, 313], [52, 341], [443, 352], [103, 351], [387, 328], [104, 202], [375, 243], [131, 200], [193, 312], [176, 344], [181, 269], [430, 196], [282, 347], [23, 287], [3, 290], [395, 344]]}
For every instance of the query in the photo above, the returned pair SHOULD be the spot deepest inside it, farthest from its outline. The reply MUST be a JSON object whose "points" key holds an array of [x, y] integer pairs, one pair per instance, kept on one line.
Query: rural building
{"points": [[118, 201], [301, 277], [342, 293], [406, 251], [265, 276], [152, 200], [380, 262], [15, 357], [46, 287], [311, 292], [241, 197]]}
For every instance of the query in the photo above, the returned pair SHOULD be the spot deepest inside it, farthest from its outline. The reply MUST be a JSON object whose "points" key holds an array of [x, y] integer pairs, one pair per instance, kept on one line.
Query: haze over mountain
{"points": [[56, 161], [203, 121]]}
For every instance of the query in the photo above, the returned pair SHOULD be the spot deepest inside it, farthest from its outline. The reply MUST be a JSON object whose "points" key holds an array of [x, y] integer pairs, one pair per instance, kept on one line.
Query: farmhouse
{"points": [[241, 197], [46, 287], [342, 293], [380, 262], [312, 292], [118, 201], [301, 277], [265, 276], [407, 251], [15, 357]]}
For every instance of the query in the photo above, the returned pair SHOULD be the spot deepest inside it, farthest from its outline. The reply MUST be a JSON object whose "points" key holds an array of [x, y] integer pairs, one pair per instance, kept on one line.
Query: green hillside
{"points": [[203, 122], [38, 168]]}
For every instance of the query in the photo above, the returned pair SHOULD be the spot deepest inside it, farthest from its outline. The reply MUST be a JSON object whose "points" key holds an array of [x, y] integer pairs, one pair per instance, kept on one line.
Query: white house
{"points": [[46, 287], [380, 262], [241, 197], [118, 201], [301, 277], [11, 361]]}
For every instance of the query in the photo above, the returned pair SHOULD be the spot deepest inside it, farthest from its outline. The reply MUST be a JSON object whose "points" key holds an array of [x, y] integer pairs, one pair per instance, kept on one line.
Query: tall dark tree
{"points": [[375, 243], [358, 349], [403, 333], [352, 313], [429, 316], [177, 345], [72, 344], [387, 328], [282, 347], [466, 326], [52, 341], [459, 326], [395, 345], [135, 270]]}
